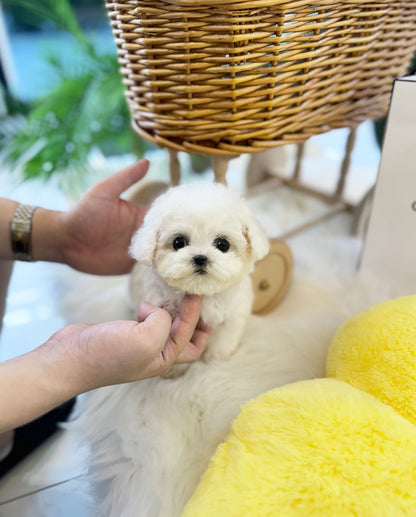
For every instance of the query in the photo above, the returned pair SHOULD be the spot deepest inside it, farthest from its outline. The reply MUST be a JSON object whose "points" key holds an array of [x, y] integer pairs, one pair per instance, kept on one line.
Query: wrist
{"points": [[62, 367], [70, 360], [47, 236]]}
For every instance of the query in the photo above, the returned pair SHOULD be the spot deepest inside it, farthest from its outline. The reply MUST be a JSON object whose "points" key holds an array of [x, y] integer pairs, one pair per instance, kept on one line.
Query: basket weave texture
{"points": [[223, 78]]}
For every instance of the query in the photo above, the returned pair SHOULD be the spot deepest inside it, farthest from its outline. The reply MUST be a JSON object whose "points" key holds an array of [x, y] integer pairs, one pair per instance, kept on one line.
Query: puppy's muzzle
{"points": [[200, 263]]}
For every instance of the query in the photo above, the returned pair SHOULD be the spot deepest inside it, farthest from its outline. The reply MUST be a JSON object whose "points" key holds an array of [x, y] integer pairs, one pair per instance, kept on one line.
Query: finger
{"points": [[156, 322], [117, 183], [197, 345], [184, 324], [144, 310]]}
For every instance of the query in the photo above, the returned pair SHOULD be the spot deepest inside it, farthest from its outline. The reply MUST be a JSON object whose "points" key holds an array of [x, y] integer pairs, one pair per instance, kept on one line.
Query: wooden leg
{"points": [[220, 166], [298, 165], [174, 168], [338, 195]]}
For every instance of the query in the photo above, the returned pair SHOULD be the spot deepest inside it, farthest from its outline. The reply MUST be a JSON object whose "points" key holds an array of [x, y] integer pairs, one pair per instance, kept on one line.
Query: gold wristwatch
{"points": [[20, 232]]}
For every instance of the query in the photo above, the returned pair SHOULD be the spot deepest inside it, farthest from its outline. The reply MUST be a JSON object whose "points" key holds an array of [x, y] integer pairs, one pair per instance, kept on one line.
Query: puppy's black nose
{"points": [[200, 260]]}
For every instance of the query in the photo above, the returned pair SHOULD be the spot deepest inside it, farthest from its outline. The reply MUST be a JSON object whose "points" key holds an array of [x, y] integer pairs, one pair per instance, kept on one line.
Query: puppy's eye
{"points": [[179, 242], [222, 244]]}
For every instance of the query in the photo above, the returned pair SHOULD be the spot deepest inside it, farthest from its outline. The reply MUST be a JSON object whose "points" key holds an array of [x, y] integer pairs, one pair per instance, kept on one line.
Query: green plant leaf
{"points": [[84, 109]]}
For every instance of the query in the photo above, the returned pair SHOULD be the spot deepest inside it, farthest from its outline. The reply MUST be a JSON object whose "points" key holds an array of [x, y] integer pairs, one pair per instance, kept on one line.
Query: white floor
{"points": [[50, 482]]}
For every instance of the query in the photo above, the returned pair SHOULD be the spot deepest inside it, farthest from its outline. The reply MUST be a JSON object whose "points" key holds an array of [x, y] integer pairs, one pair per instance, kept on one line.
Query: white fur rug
{"points": [[152, 440]]}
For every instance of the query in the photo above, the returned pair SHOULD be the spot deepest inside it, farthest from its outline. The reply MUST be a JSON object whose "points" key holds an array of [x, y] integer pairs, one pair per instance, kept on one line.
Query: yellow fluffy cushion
{"points": [[375, 351], [325, 448]]}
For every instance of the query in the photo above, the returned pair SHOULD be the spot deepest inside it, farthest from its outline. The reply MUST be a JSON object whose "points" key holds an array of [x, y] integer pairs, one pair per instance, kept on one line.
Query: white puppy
{"points": [[200, 239]]}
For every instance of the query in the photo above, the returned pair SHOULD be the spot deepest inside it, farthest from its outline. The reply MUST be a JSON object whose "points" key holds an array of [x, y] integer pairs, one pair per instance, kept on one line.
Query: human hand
{"points": [[98, 230], [125, 351], [79, 358]]}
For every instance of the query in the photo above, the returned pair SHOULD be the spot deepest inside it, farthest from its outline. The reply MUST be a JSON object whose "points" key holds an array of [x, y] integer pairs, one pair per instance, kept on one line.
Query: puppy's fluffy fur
{"points": [[200, 239]]}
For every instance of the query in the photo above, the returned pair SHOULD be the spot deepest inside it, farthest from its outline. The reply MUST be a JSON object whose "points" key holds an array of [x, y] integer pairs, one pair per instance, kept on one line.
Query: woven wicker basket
{"points": [[225, 77]]}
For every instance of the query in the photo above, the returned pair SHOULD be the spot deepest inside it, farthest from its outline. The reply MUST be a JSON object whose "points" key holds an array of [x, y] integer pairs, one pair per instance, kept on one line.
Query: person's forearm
{"points": [[36, 382], [47, 236], [7, 210]]}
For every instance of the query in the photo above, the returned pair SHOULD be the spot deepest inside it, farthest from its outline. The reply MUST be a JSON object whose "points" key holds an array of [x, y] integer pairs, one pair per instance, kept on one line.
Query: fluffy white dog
{"points": [[200, 239]]}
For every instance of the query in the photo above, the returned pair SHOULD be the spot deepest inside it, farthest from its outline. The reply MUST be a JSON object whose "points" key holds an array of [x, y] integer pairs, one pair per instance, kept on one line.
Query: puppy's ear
{"points": [[144, 242], [256, 239]]}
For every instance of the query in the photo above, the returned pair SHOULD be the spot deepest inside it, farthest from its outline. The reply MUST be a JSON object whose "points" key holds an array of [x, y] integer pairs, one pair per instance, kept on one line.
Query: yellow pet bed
{"points": [[339, 446]]}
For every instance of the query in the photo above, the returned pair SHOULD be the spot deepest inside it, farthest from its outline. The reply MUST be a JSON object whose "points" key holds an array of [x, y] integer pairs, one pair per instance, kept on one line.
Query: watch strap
{"points": [[20, 232]]}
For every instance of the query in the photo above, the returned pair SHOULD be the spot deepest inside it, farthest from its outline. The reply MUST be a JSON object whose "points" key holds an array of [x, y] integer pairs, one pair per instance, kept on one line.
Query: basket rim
{"points": [[254, 4]]}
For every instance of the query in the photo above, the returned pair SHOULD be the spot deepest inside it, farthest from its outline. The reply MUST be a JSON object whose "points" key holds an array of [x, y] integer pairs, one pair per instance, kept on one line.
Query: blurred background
{"points": [[61, 93], [62, 104]]}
